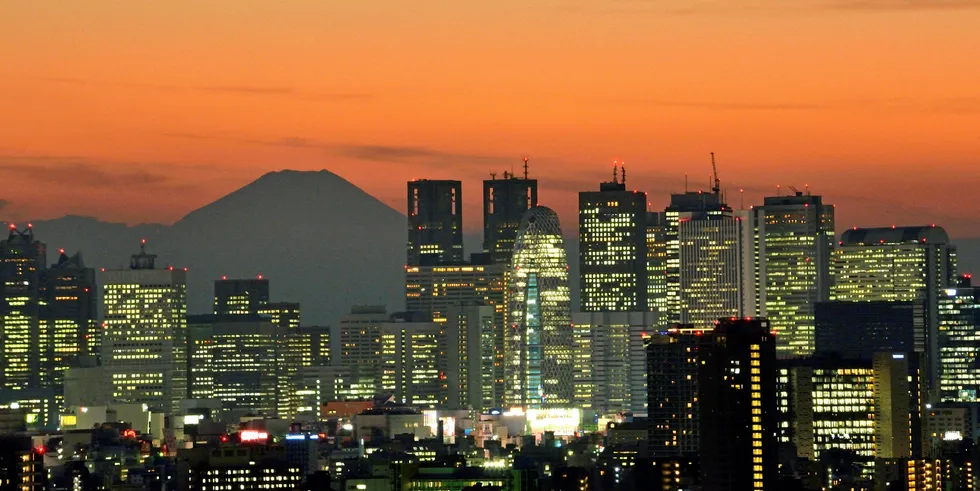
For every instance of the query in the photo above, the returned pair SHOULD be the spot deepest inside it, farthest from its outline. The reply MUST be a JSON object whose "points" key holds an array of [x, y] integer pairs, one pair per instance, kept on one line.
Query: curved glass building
{"points": [[538, 349]]}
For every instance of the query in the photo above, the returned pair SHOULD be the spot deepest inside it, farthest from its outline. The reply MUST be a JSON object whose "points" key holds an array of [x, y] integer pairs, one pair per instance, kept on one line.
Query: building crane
{"points": [[714, 168]]}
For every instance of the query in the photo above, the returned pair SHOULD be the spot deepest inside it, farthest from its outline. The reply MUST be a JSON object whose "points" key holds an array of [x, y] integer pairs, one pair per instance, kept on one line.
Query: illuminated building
{"points": [[538, 354], [435, 222], [672, 392], [68, 317], [21, 464], [236, 359], [612, 248], [249, 465], [145, 308], [657, 299], [416, 363], [737, 397], [684, 206], [610, 361], [795, 237], [286, 315], [319, 384], [959, 342], [899, 264], [359, 340], [504, 203], [23, 347], [898, 420], [240, 296], [473, 328], [439, 288], [939, 474], [833, 406], [712, 253]]}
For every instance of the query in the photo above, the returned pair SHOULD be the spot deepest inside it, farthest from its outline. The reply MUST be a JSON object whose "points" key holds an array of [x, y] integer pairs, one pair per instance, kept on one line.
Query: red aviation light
{"points": [[224, 277], [61, 251], [30, 225], [259, 277], [39, 450]]}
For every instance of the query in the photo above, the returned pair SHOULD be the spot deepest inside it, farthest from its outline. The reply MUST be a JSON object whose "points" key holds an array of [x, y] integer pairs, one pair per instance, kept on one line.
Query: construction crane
{"points": [[714, 169]]}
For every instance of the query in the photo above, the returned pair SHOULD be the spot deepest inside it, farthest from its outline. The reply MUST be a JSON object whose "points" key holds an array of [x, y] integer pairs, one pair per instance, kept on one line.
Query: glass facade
{"points": [[959, 342], [435, 222], [538, 316]]}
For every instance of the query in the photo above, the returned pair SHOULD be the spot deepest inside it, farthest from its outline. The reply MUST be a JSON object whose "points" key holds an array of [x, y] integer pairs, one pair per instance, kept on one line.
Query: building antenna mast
{"points": [[615, 172], [525, 168], [622, 169]]}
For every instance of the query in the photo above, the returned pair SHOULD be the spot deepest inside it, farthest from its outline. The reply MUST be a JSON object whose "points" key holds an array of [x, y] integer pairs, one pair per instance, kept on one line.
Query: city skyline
{"points": [[777, 91]]}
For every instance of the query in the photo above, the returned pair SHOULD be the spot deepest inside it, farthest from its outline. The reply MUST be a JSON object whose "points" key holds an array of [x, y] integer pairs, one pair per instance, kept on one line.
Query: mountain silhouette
{"points": [[319, 239]]}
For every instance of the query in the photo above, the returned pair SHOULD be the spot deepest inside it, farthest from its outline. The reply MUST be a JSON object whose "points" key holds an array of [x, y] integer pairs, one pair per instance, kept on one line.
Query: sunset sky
{"points": [[144, 111]]}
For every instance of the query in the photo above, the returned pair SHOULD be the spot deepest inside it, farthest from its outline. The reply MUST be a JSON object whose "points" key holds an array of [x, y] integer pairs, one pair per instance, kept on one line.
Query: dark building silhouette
{"points": [[737, 396], [672, 392], [22, 262], [21, 464], [240, 296], [435, 222], [612, 228], [858, 329], [504, 203]]}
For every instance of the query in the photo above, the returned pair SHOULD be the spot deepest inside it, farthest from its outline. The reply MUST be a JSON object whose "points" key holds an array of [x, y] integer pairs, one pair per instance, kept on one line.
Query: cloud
{"points": [[246, 90], [724, 105], [93, 173], [901, 5], [3, 203]]}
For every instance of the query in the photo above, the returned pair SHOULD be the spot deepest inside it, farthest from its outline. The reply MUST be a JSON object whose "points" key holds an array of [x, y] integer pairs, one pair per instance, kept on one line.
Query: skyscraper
{"points": [[358, 342], [245, 365], [737, 397], [613, 248], [959, 346], [438, 289], [672, 392], [471, 329], [504, 203], [23, 348], [145, 308], [794, 241], [684, 206], [68, 316], [435, 222], [417, 363], [610, 361], [538, 357], [712, 267], [899, 264], [657, 298], [240, 296]]}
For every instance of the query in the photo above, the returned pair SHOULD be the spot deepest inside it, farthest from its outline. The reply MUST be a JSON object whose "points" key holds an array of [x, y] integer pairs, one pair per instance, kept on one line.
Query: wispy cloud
{"points": [[725, 105], [245, 90], [94, 173], [3, 203], [901, 5]]}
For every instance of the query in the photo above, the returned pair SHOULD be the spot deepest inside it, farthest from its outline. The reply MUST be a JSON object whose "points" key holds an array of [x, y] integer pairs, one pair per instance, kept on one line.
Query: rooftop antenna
{"points": [[493, 176], [741, 203], [525, 168], [615, 172], [622, 169], [778, 193], [807, 187], [685, 182], [714, 169]]}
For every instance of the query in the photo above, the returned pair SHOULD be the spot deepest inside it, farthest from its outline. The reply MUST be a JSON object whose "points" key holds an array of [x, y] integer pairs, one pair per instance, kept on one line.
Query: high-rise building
{"points": [[358, 340], [858, 329], [672, 392], [473, 328], [610, 361], [712, 267], [794, 240], [833, 408], [246, 355], [23, 347], [538, 354], [899, 264], [68, 316], [657, 298], [959, 346], [435, 222], [684, 206], [240, 296], [738, 412], [612, 248], [504, 203], [145, 308], [898, 417], [415, 361]]}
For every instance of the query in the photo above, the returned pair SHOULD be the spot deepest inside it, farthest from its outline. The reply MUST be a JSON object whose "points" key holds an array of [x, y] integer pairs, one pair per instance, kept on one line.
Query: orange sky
{"points": [[143, 111]]}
